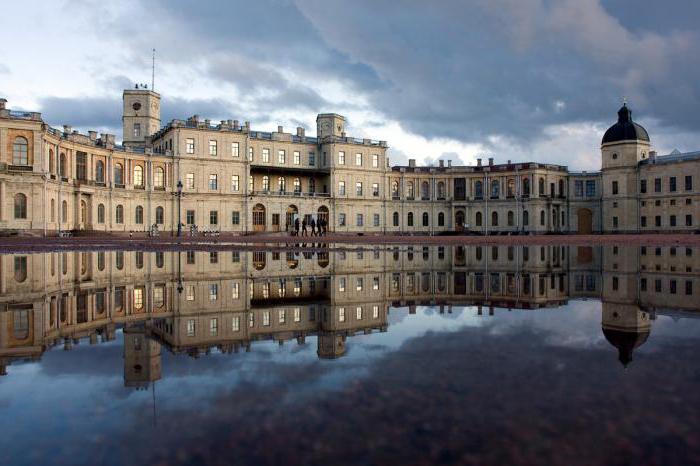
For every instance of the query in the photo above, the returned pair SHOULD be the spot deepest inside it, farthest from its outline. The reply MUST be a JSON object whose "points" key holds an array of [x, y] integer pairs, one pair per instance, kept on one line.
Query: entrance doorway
{"points": [[259, 217], [585, 221], [459, 221]]}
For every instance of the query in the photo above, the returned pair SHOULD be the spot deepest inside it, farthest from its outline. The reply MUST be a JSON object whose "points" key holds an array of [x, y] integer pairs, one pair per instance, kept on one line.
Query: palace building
{"points": [[224, 176]]}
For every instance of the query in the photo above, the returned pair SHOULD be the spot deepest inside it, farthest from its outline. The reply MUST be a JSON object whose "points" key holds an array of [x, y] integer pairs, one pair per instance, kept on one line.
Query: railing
{"points": [[100, 183], [119, 185], [289, 194], [20, 168], [159, 188], [139, 186]]}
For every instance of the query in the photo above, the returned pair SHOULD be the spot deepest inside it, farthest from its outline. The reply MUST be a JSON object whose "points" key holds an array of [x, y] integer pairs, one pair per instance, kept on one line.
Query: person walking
{"points": [[303, 228], [296, 226], [313, 227]]}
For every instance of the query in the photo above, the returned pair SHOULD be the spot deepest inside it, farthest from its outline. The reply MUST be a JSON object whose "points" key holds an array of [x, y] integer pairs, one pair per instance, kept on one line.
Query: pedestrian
{"points": [[296, 226], [313, 227], [303, 228], [325, 226]]}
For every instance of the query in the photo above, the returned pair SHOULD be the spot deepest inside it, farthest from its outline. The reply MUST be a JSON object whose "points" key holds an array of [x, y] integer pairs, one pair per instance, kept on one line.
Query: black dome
{"points": [[625, 342], [625, 129]]}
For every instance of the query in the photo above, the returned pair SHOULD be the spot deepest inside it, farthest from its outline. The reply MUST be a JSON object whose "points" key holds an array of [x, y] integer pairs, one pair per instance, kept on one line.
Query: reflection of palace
{"points": [[192, 302]]}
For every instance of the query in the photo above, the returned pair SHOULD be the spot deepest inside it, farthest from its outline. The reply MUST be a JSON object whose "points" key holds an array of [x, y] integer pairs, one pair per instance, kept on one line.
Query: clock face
{"points": [[136, 106]]}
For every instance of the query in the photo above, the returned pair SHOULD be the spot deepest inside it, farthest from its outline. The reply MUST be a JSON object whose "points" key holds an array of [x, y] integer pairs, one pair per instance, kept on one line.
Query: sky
{"points": [[520, 80]]}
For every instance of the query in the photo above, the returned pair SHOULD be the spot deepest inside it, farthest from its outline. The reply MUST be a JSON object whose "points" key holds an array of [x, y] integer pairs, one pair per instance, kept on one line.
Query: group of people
{"points": [[318, 228]]}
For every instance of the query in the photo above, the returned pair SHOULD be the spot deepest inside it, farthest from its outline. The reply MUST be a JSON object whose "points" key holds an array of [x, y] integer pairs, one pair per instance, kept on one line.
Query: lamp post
{"points": [[179, 218]]}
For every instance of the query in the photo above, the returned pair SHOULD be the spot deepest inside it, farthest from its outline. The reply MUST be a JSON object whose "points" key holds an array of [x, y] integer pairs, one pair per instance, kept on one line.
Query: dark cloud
{"points": [[82, 112]]}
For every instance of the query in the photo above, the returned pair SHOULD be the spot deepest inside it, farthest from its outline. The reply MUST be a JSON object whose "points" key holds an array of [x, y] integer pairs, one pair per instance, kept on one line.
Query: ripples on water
{"points": [[410, 355]]}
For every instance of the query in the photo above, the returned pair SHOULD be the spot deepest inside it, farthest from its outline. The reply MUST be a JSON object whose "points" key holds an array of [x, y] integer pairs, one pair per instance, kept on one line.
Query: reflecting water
{"points": [[414, 355]]}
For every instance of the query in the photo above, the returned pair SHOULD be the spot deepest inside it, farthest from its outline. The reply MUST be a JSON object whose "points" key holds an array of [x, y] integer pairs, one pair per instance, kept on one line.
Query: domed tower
{"points": [[626, 327], [624, 145]]}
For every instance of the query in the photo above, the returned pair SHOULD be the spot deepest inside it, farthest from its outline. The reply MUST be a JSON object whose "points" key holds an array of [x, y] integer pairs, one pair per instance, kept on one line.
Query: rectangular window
{"points": [[212, 148], [376, 220], [235, 324], [590, 188], [234, 183], [266, 318], [615, 222], [358, 160], [689, 220], [341, 284], [657, 221], [672, 220], [213, 217], [81, 166], [375, 161], [341, 220], [189, 217], [643, 221], [297, 158], [189, 294], [614, 187], [312, 159], [189, 181], [359, 284], [358, 189], [297, 314], [672, 184], [375, 283], [282, 316], [250, 154], [235, 218], [643, 186], [688, 287], [358, 312], [137, 130], [235, 258], [578, 188], [213, 182], [190, 327], [266, 156], [213, 292], [689, 183], [375, 312], [341, 158], [190, 257], [189, 145], [281, 157], [360, 220], [341, 188], [375, 189], [235, 149], [657, 185]]}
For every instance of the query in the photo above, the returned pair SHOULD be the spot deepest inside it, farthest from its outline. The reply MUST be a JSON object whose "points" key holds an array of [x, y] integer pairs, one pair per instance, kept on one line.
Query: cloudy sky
{"points": [[452, 79]]}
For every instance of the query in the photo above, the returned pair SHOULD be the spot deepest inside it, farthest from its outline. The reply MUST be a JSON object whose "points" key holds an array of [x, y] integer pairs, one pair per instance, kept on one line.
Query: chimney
{"points": [[478, 162], [449, 164], [207, 122], [411, 162], [2, 104], [441, 163], [300, 131], [247, 125], [93, 135], [508, 161], [67, 129], [280, 129], [490, 161], [236, 124]]}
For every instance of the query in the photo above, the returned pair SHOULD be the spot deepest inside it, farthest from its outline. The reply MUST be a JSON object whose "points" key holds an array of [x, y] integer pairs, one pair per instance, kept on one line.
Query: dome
{"points": [[625, 342], [625, 129]]}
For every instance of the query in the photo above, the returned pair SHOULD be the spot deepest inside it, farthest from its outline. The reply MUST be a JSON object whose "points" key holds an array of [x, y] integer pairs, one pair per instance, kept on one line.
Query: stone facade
{"points": [[234, 179]]}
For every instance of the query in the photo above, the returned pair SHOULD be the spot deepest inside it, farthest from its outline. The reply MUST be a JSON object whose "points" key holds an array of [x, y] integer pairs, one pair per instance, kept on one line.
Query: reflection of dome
{"points": [[625, 342], [625, 129]]}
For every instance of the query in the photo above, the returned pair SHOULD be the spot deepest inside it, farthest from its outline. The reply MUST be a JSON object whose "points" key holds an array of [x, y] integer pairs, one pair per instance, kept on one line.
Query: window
{"points": [[64, 211], [672, 220], [20, 206], [542, 218], [341, 284], [312, 159], [441, 190], [266, 155], [657, 221], [341, 219], [478, 219], [395, 189], [359, 283], [526, 218], [494, 219], [189, 217], [410, 191], [189, 181], [689, 183], [250, 154], [119, 215], [643, 221], [643, 186], [235, 324], [358, 312], [396, 219], [20, 151], [20, 273], [189, 145], [213, 182], [375, 161], [478, 190], [672, 184], [190, 327], [615, 222], [266, 183], [341, 314], [689, 220], [190, 257], [409, 219], [100, 172], [100, 213], [495, 187], [119, 174], [358, 189], [541, 186], [213, 217], [511, 218], [138, 176], [159, 177], [138, 217], [282, 184], [441, 219], [213, 291], [212, 148], [590, 188], [657, 185], [375, 189], [137, 130], [358, 160], [81, 166], [341, 158], [341, 188], [615, 187], [376, 220], [281, 157], [235, 183], [235, 217], [426, 219], [297, 186], [297, 158], [235, 149], [360, 220]]}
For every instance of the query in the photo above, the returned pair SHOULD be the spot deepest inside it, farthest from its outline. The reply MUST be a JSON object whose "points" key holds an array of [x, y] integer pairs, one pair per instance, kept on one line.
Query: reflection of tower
{"points": [[141, 358], [331, 345], [626, 327]]}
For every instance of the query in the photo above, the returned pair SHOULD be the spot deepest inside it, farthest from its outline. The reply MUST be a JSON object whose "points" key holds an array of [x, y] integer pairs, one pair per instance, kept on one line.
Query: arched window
{"points": [[409, 221], [101, 213], [139, 215], [282, 184], [425, 191], [160, 215], [20, 151], [441, 190], [119, 215], [478, 190], [266, 183], [64, 211], [541, 186], [52, 162], [426, 219], [138, 176], [159, 177], [297, 186], [100, 172], [20, 268], [510, 189], [53, 210], [83, 212], [119, 262], [118, 173], [62, 165], [479, 253], [511, 219], [526, 186], [441, 219], [479, 220], [494, 253], [395, 189], [526, 218], [396, 219], [312, 185], [494, 219], [20, 206], [410, 191], [495, 188], [542, 218]]}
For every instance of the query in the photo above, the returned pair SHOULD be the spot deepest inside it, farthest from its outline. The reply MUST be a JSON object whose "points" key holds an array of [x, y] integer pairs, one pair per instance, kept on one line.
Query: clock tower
{"points": [[329, 124], [140, 116]]}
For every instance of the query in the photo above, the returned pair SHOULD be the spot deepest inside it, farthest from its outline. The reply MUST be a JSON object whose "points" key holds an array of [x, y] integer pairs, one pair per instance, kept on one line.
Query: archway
{"points": [[259, 217], [292, 214], [459, 220], [323, 215], [585, 221]]}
